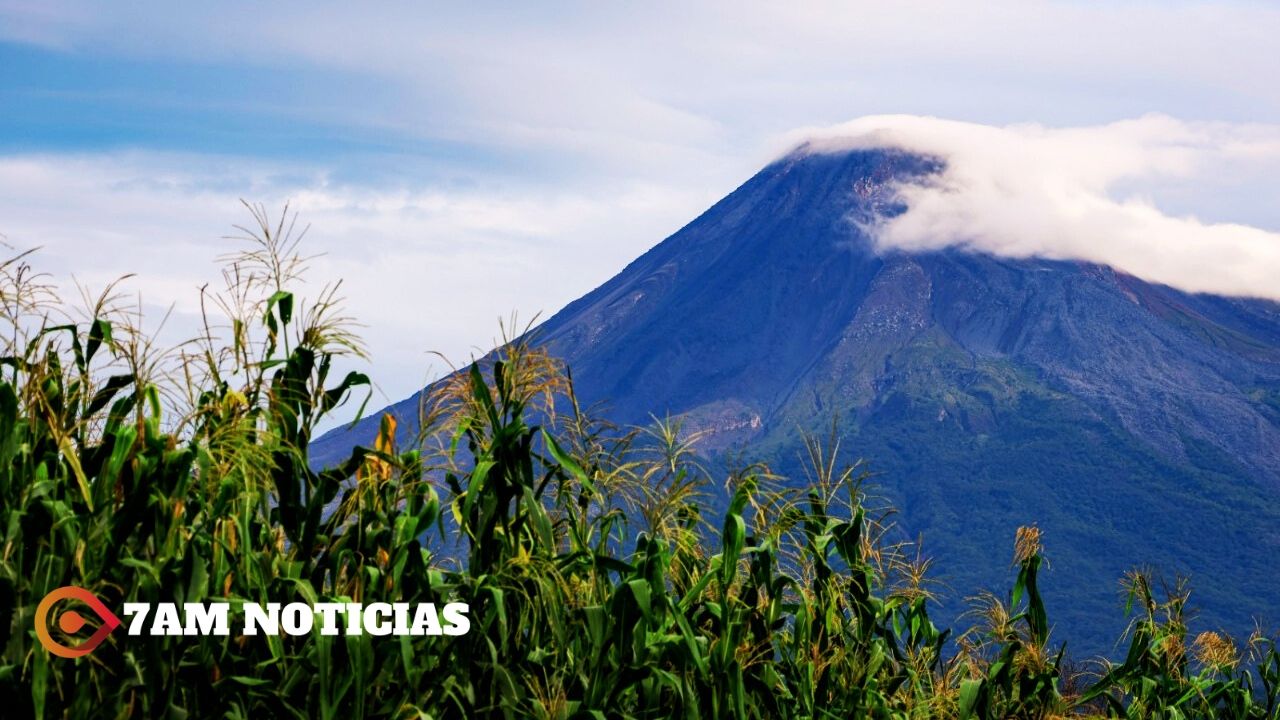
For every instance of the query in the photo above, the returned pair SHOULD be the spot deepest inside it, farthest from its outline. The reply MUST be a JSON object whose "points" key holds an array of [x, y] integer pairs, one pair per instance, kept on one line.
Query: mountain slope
{"points": [[1134, 423]]}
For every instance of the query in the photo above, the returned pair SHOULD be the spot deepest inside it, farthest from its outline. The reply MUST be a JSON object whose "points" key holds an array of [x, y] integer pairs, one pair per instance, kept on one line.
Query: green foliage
{"points": [[597, 589]]}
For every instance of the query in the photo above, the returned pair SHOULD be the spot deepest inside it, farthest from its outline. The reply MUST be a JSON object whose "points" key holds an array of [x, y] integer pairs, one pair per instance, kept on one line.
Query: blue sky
{"points": [[461, 164]]}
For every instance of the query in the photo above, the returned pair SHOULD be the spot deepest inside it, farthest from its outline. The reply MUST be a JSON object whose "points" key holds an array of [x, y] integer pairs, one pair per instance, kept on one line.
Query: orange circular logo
{"points": [[70, 622]]}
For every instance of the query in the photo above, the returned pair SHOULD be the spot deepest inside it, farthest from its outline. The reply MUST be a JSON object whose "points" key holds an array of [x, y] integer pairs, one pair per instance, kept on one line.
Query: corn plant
{"points": [[600, 582]]}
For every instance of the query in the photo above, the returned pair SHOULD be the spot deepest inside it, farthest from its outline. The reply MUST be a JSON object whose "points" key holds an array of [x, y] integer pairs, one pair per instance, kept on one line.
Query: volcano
{"points": [[1135, 424]]}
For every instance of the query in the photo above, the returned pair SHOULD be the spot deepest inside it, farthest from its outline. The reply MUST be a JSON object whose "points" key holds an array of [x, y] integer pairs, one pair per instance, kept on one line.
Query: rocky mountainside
{"points": [[1135, 424]]}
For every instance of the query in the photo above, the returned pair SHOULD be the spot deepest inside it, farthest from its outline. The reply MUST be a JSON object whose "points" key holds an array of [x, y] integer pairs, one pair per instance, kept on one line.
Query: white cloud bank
{"points": [[1076, 194]]}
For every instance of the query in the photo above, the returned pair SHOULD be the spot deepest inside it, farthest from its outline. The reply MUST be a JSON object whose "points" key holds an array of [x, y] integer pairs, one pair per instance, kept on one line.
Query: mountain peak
{"points": [[990, 391]]}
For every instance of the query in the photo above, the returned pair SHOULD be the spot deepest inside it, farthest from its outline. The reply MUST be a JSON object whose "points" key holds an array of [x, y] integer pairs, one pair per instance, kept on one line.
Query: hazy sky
{"points": [[460, 164]]}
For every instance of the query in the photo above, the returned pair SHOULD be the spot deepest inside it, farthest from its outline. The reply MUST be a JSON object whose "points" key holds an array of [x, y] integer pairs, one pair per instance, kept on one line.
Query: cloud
{"points": [[1078, 193], [424, 268], [644, 87]]}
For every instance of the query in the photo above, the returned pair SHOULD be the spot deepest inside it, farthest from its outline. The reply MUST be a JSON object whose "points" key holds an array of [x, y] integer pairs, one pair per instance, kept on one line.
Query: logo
{"points": [[70, 622], [166, 618]]}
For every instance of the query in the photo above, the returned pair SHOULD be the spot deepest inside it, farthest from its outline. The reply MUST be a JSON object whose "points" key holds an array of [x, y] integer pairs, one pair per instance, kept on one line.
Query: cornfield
{"points": [[599, 581]]}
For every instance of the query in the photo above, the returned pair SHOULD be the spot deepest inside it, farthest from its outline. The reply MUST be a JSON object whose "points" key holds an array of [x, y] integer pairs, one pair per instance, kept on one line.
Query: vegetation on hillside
{"points": [[598, 585]]}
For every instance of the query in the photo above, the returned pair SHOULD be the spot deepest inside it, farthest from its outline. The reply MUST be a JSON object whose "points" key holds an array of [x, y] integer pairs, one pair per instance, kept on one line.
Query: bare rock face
{"points": [[1136, 424]]}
